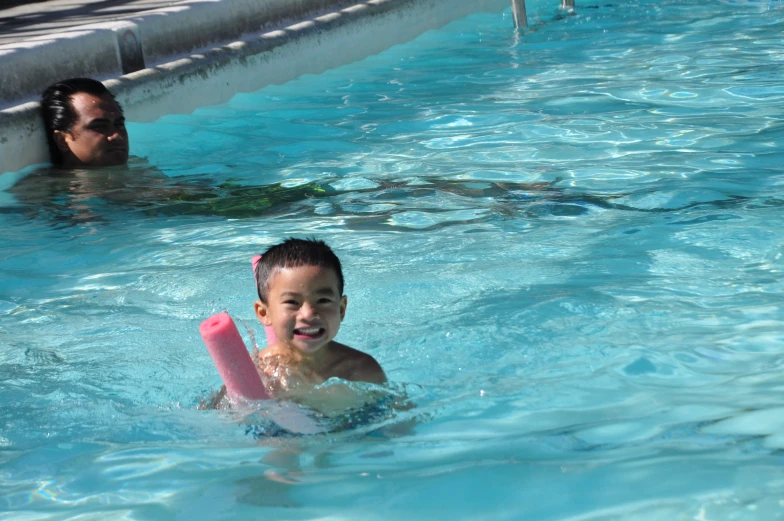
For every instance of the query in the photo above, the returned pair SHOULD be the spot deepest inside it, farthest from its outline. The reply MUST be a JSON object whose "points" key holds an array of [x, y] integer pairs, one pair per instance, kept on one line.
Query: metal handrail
{"points": [[520, 18], [518, 13]]}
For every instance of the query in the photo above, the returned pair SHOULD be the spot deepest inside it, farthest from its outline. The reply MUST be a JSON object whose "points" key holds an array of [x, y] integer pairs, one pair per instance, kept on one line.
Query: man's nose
{"points": [[115, 134]]}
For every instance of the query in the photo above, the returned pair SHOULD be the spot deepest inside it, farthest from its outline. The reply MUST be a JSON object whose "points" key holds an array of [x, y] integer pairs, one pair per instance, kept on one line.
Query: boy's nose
{"points": [[307, 311]]}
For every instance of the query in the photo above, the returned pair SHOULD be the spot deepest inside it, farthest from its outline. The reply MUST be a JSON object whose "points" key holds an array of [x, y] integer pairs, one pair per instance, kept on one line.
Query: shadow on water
{"points": [[73, 197], [69, 197]]}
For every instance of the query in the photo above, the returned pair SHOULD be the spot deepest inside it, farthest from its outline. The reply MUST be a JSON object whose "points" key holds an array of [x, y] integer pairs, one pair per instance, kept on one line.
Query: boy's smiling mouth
{"points": [[309, 332]]}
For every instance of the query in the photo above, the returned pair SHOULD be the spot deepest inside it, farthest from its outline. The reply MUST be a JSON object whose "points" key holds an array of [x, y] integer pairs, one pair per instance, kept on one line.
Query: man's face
{"points": [[305, 307], [98, 137]]}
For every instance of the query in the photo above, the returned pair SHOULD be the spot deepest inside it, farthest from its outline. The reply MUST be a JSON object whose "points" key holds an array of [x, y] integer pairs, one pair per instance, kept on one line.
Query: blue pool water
{"points": [[605, 345]]}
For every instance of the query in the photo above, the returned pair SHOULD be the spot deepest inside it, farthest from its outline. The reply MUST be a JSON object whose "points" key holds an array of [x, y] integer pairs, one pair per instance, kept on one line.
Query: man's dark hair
{"points": [[293, 253], [58, 111]]}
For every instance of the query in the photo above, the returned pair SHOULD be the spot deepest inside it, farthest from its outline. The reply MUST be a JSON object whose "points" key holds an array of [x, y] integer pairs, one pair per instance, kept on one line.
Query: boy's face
{"points": [[304, 307]]}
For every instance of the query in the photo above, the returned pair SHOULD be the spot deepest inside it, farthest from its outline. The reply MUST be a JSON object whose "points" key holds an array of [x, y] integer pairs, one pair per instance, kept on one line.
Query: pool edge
{"points": [[309, 46]]}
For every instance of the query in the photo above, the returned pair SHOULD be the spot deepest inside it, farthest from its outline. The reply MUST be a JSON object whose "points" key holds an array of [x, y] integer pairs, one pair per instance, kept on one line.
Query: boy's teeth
{"points": [[308, 331]]}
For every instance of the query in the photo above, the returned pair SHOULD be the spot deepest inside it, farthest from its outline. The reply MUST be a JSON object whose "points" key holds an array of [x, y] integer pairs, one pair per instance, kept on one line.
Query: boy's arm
{"points": [[369, 370], [357, 366]]}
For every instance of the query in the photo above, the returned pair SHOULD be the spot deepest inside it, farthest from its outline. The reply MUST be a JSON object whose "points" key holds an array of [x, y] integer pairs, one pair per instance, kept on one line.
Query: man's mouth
{"points": [[116, 153], [309, 332]]}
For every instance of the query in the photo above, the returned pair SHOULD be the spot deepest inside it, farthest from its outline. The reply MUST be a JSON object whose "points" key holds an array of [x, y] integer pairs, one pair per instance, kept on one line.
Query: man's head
{"points": [[300, 285], [85, 126]]}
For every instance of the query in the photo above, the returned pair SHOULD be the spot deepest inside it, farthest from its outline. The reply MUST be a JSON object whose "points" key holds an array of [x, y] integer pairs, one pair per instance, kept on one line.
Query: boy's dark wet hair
{"points": [[58, 111], [293, 253]]}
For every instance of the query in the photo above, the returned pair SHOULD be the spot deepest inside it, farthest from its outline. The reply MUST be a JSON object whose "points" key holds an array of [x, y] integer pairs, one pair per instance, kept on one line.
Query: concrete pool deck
{"points": [[46, 41], [162, 56], [23, 20]]}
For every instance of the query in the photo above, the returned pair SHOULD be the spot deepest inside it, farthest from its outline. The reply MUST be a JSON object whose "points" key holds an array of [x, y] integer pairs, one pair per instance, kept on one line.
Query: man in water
{"points": [[85, 126]]}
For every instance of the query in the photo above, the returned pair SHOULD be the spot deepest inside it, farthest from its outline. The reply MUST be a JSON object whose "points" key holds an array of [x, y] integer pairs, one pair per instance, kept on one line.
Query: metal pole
{"points": [[567, 4], [518, 13]]}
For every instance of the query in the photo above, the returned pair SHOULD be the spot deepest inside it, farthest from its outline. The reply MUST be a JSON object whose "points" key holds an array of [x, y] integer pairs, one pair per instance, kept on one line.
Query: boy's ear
{"points": [[343, 304], [59, 140], [262, 313]]}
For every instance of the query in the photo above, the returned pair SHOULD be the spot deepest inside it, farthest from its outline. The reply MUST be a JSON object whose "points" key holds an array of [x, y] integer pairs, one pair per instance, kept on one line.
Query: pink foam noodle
{"points": [[231, 358], [254, 261], [272, 338]]}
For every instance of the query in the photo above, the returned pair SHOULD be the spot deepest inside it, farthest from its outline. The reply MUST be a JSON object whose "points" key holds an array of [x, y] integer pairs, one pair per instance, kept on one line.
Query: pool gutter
{"points": [[309, 45]]}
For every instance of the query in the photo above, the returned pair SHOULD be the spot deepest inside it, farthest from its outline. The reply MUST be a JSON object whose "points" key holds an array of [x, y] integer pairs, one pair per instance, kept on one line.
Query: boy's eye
{"points": [[291, 302], [324, 300]]}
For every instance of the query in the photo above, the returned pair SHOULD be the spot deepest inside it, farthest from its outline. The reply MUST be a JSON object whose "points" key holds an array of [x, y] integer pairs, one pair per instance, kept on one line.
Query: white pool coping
{"points": [[310, 45]]}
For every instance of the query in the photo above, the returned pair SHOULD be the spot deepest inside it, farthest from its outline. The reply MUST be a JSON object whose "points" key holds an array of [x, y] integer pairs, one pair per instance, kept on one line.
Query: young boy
{"points": [[300, 287]]}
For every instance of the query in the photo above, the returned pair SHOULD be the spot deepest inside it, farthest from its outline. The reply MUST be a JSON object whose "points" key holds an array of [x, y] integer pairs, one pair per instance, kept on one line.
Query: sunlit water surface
{"points": [[604, 347]]}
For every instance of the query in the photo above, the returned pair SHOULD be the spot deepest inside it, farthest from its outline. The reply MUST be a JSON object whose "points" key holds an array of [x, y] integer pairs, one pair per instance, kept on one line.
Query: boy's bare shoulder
{"points": [[275, 356], [355, 365], [271, 351]]}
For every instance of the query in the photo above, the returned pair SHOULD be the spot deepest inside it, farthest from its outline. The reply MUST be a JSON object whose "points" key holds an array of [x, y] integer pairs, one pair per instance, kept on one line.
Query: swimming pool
{"points": [[605, 345]]}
